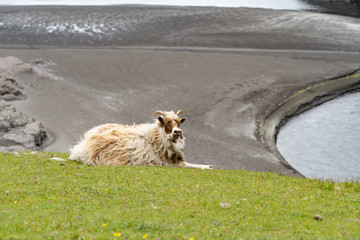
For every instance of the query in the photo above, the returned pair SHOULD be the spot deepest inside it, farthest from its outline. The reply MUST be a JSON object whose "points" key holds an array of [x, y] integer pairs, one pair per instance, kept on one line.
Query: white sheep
{"points": [[156, 144]]}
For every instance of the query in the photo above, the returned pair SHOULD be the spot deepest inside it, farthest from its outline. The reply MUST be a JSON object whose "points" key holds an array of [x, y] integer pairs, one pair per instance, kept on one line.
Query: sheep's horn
{"points": [[178, 112], [159, 112]]}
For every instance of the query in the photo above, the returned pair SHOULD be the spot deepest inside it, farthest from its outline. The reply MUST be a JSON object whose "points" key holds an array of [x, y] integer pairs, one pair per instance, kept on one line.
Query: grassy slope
{"points": [[43, 198]]}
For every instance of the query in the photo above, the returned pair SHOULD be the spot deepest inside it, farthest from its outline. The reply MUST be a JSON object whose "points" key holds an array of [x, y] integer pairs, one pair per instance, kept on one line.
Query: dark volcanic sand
{"points": [[108, 26], [222, 95], [223, 92], [340, 7]]}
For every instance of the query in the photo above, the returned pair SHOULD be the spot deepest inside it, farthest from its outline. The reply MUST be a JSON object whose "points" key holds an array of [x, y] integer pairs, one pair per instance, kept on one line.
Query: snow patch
{"points": [[88, 29], [352, 26]]}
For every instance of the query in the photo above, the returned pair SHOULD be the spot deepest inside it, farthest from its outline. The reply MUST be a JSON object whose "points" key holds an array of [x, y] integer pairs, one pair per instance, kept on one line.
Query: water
{"points": [[324, 142], [278, 4]]}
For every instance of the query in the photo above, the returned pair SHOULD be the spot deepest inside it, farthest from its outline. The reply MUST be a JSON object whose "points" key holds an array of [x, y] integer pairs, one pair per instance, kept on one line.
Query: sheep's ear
{"points": [[161, 120], [182, 120]]}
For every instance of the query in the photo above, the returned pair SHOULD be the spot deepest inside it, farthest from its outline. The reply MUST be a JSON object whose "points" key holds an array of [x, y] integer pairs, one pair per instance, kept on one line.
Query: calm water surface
{"points": [[324, 142]]}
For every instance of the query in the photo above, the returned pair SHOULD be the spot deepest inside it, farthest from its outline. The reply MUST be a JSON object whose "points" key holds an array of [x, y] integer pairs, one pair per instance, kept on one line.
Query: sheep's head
{"points": [[171, 121]]}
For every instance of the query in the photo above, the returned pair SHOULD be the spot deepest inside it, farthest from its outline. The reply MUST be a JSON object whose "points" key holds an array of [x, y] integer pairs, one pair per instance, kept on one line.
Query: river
{"points": [[324, 142]]}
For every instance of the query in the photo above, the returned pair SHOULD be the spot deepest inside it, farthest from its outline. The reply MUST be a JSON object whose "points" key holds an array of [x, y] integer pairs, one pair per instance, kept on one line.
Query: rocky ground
{"points": [[18, 132]]}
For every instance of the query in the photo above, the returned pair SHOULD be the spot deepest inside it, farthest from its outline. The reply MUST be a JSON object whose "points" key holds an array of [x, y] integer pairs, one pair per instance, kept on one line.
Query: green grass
{"points": [[46, 199]]}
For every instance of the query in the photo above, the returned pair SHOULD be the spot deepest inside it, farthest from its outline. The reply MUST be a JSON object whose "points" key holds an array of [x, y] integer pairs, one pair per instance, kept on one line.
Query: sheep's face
{"points": [[171, 125]]}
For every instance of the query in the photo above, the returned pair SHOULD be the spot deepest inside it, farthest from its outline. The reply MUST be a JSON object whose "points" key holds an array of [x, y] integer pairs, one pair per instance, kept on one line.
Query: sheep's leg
{"points": [[197, 166]]}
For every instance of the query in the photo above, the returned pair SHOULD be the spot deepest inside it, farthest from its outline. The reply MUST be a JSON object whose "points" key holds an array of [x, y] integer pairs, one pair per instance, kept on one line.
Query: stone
{"points": [[17, 131], [10, 89], [225, 205], [10, 118], [14, 65], [39, 61], [33, 128], [36, 130], [13, 148], [21, 138]]}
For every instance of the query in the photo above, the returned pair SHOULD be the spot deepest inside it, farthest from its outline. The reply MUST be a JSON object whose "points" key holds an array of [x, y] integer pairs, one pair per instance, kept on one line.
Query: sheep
{"points": [[160, 143]]}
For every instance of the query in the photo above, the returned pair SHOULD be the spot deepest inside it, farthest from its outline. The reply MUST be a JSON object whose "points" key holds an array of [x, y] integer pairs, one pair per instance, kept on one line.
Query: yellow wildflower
{"points": [[106, 190], [192, 238], [104, 225], [144, 236], [15, 202], [117, 234]]}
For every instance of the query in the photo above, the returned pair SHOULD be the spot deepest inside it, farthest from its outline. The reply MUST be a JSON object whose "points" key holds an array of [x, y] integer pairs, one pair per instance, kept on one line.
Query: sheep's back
{"points": [[116, 144]]}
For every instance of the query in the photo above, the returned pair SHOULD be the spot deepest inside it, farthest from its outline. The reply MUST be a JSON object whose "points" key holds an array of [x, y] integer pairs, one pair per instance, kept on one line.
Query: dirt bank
{"points": [[300, 101]]}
